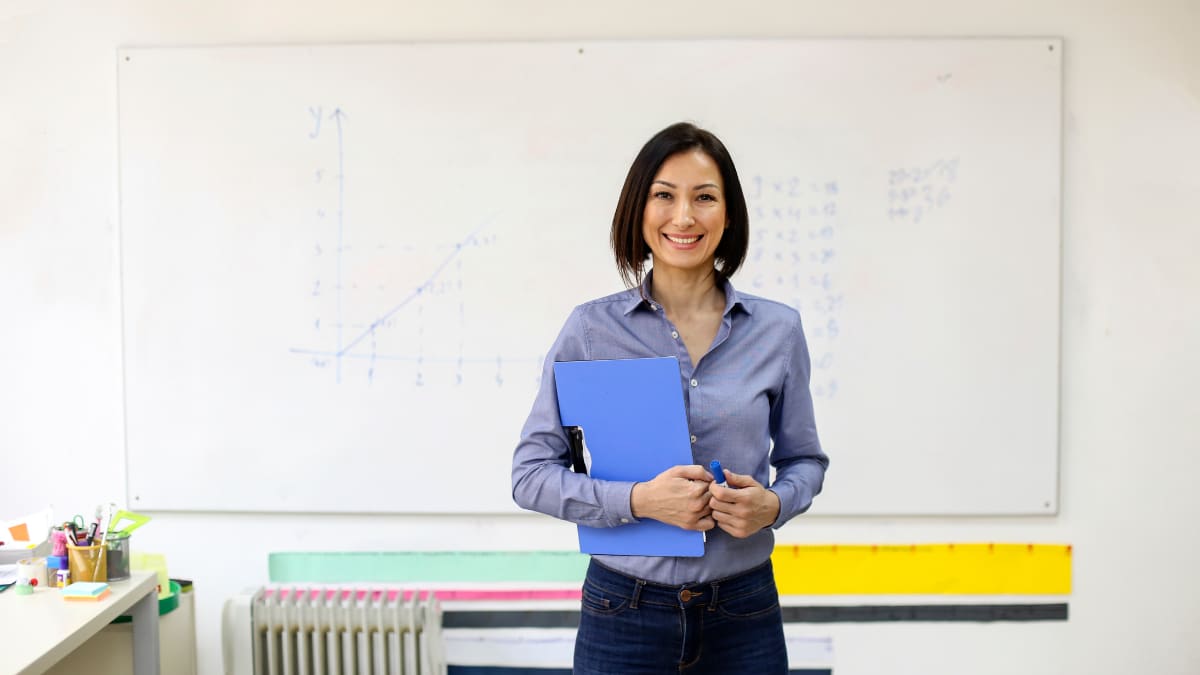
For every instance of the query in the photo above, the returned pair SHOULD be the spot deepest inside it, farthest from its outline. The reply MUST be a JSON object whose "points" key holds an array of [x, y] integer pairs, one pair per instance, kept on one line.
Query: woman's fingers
{"points": [[688, 471]]}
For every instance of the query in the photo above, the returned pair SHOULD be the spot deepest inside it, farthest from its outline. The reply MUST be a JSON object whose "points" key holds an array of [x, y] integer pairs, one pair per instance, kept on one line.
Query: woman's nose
{"points": [[683, 214]]}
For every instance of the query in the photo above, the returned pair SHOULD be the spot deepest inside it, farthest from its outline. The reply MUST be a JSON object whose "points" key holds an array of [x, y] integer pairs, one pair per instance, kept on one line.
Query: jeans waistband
{"points": [[641, 591]]}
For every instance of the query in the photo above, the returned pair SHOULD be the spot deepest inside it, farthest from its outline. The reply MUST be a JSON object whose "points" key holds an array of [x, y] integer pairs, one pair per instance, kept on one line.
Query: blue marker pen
{"points": [[718, 474]]}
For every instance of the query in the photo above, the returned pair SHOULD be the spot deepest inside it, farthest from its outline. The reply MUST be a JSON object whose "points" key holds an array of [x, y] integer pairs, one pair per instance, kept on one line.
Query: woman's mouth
{"points": [[683, 241]]}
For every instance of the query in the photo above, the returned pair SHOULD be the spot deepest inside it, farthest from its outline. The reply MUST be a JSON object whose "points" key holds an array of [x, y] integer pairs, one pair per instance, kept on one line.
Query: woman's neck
{"points": [[684, 294]]}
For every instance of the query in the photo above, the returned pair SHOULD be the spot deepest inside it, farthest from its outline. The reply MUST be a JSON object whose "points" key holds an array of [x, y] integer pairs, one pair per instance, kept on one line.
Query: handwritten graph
{"points": [[383, 303]]}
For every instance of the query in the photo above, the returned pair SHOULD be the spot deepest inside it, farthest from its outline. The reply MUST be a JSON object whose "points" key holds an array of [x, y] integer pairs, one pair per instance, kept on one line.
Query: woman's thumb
{"points": [[739, 480]]}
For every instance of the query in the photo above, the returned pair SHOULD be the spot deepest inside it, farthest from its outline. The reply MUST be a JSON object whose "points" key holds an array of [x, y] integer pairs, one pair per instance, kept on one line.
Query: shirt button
{"points": [[654, 307], [693, 438], [695, 383], [625, 520], [675, 334]]}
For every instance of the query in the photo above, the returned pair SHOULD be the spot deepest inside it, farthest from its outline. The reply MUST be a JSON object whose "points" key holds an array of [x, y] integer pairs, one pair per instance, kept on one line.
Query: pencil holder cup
{"points": [[87, 563], [118, 557]]}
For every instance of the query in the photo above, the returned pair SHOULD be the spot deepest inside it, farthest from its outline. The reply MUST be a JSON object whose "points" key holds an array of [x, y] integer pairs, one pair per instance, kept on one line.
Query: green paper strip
{"points": [[426, 566]]}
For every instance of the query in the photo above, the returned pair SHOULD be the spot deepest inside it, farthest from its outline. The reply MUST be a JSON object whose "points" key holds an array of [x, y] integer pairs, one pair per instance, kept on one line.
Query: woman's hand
{"points": [[743, 511], [678, 496]]}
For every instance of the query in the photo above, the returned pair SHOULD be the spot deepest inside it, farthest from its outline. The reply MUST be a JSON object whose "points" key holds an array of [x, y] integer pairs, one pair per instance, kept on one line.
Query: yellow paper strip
{"points": [[923, 569]]}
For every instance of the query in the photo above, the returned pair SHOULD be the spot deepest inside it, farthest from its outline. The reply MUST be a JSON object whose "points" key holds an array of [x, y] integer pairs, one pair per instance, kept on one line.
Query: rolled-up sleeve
{"points": [[797, 456], [541, 477]]}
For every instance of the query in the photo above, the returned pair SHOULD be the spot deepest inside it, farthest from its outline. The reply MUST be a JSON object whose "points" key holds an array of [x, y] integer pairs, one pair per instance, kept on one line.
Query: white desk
{"points": [[38, 630]]}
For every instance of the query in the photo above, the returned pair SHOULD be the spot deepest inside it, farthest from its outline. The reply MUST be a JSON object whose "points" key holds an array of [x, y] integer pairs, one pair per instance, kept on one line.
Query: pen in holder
{"points": [[87, 563]]}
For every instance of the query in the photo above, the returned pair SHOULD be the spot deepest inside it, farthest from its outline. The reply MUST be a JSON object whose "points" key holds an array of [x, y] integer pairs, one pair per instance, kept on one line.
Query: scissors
{"points": [[77, 527]]}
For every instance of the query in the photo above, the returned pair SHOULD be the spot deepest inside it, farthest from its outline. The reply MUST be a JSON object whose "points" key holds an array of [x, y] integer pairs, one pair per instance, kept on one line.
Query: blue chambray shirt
{"points": [[750, 389]]}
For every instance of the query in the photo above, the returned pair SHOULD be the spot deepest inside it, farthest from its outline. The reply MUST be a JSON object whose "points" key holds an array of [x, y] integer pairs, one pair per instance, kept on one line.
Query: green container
{"points": [[166, 604]]}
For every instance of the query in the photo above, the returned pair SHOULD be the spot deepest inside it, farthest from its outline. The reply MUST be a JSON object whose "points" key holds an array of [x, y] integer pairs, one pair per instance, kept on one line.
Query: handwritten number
{"points": [[316, 115]]}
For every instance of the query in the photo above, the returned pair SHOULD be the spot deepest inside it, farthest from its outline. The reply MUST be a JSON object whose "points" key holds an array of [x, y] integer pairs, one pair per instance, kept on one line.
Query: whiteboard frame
{"points": [[144, 473]]}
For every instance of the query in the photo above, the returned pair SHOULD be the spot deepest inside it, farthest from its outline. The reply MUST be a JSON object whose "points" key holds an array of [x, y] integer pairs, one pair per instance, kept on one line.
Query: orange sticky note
{"points": [[19, 532]]}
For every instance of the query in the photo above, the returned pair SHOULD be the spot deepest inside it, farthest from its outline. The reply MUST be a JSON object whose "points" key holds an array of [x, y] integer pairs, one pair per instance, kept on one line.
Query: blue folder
{"points": [[635, 427]]}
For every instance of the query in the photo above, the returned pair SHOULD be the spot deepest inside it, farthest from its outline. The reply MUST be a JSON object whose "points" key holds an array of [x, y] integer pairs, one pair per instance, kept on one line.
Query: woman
{"points": [[744, 369]]}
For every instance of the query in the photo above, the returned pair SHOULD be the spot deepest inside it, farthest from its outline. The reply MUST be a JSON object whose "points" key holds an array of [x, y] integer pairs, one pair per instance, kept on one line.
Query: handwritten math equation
{"points": [[793, 258], [914, 193]]}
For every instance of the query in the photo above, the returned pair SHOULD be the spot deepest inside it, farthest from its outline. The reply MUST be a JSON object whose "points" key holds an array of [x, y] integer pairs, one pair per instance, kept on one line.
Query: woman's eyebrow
{"points": [[698, 187]]}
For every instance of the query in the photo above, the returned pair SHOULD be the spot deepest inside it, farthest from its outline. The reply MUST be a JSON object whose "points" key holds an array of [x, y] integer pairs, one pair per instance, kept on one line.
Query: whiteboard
{"points": [[342, 266]]}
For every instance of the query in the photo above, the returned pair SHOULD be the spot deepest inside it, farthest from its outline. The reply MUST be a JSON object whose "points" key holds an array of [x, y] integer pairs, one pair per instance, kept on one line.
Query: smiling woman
{"points": [[744, 372], [685, 214], [679, 154]]}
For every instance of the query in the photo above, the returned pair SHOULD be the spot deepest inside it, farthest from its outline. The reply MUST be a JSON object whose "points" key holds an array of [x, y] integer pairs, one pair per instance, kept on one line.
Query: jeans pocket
{"points": [[601, 601], [760, 601]]}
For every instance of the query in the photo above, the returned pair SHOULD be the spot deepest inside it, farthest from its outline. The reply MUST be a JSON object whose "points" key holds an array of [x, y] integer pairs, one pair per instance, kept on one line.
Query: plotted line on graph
{"points": [[458, 249]]}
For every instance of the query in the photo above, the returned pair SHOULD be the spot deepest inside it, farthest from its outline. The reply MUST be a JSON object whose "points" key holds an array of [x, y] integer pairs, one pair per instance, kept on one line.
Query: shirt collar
{"points": [[640, 297]]}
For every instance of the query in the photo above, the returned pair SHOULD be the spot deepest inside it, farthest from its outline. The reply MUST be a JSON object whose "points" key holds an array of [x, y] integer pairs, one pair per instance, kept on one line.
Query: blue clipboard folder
{"points": [[635, 427]]}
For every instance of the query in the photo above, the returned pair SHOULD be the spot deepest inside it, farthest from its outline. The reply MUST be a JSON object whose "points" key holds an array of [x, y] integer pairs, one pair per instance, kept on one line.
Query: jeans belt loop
{"points": [[712, 602], [637, 593]]}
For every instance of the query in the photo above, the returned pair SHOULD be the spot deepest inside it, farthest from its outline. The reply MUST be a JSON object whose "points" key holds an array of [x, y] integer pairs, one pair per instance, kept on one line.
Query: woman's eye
{"points": [[708, 198], [662, 194]]}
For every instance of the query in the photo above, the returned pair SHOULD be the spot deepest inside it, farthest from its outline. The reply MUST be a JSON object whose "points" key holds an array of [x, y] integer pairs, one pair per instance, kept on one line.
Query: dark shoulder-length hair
{"points": [[629, 245]]}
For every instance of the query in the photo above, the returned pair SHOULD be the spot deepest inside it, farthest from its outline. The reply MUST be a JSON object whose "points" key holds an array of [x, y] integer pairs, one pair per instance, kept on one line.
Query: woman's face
{"points": [[685, 213]]}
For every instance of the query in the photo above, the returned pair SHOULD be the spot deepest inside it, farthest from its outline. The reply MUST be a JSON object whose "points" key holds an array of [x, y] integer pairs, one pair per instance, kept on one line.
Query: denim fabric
{"points": [[727, 626]]}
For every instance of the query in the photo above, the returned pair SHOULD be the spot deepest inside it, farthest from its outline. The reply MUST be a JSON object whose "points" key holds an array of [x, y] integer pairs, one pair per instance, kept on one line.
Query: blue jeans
{"points": [[726, 626]]}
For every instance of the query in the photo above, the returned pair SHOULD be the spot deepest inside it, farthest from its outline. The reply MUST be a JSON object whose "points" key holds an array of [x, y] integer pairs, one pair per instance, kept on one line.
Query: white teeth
{"points": [[683, 240]]}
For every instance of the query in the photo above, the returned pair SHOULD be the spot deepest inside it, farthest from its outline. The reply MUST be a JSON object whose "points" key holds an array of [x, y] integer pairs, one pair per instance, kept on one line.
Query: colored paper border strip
{"points": [[917, 569], [924, 569], [427, 566]]}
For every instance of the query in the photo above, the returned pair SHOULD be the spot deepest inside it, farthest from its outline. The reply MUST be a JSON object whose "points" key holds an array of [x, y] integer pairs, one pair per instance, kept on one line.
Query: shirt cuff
{"points": [[617, 495], [788, 503]]}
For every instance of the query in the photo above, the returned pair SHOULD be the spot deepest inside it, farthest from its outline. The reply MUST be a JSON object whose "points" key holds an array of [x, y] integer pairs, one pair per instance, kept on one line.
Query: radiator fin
{"points": [[346, 631]]}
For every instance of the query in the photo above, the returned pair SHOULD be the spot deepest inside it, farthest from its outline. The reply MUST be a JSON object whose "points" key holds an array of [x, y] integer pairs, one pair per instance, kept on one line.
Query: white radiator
{"points": [[333, 631]]}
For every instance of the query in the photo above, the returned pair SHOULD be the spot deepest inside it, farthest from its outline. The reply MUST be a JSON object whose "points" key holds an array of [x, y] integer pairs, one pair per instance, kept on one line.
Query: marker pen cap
{"points": [[718, 475]]}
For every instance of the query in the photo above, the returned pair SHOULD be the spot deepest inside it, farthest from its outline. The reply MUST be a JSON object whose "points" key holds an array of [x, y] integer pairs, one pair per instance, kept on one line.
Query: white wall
{"points": [[1131, 321]]}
